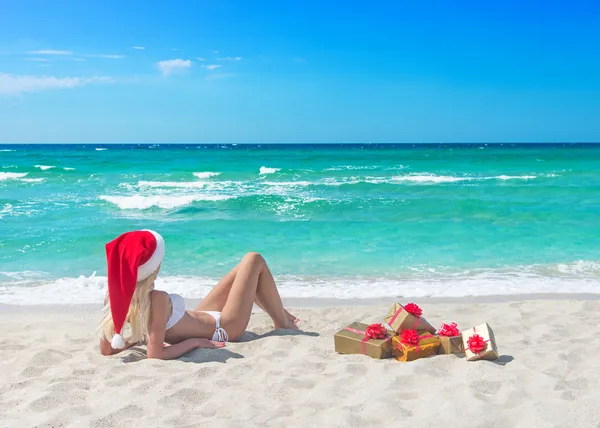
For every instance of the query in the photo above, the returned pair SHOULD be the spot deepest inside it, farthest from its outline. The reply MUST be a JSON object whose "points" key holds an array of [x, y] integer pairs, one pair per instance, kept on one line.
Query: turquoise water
{"points": [[331, 220]]}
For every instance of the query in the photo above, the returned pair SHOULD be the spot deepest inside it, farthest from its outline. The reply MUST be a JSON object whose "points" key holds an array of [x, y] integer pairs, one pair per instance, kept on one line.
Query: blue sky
{"points": [[302, 71]]}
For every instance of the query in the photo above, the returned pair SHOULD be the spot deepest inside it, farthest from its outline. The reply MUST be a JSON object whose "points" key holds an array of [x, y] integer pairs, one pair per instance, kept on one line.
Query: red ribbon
{"points": [[449, 330], [376, 331], [365, 340], [476, 343], [411, 337], [412, 309]]}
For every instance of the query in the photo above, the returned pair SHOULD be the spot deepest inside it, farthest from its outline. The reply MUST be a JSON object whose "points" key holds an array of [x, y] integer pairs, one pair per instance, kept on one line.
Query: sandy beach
{"points": [[548, 375]]}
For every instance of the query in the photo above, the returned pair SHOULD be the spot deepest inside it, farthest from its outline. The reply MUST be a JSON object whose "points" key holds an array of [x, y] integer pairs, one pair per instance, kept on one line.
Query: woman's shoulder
{"points": [[159, 297]]}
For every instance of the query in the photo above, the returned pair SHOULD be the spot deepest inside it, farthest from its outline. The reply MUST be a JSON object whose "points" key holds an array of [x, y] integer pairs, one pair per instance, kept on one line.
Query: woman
{"points": [[155, 317]]}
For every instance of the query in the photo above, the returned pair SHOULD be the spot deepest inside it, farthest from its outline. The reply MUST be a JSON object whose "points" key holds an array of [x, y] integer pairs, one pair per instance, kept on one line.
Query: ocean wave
{"points": [[69, 169], [514, 177], [202, 175], [7, 209], [44, 167], [138, 202], [12, 175], [176, 184], [32, 180], [433, 178], [100, 149], [265, 170], [23, 288], [7, 150], [352, 167], [430, 178]]}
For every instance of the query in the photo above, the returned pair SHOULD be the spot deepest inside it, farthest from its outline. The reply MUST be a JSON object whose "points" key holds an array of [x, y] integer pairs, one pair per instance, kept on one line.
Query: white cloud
{"points": [[12, 84], [50, 52], [105, 56], [230, 58], [37, 59], [138, 48], [171, 66], [211, 66], [201, 59]]}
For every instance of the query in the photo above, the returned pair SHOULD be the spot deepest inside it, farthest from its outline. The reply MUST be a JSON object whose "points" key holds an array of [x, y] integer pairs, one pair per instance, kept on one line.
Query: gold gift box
{"points": [[490, 352], [428, 345], [451, 345], [347, 341], [399, 320]]}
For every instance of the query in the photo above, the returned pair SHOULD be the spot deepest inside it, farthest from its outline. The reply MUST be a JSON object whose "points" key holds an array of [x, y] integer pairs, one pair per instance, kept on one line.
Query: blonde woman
{"points": [[156, 317]]}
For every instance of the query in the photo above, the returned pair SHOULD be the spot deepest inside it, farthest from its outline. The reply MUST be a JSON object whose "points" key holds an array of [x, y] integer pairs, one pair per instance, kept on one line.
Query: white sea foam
{"points": [[177, 184], [351, 167], [23, 288], [203, 175], [7, 150], [265, 170], [435, 179], [100, 149], [430, 178], [12, 175], [7, 209], [138, 202], [283, 184], [515, 177], [69, 169], [44, 167], [32, 180]]}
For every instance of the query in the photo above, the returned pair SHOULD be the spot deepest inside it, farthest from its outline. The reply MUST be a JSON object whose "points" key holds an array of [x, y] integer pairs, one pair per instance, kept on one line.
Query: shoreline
{"points": [[319, 303]]}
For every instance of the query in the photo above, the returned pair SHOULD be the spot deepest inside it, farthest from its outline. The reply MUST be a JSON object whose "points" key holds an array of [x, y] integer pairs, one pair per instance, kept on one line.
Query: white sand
{"points": [[51, 374]]}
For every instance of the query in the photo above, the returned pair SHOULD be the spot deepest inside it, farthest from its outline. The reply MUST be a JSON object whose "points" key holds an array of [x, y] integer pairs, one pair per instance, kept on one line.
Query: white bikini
{"points": [[178, 311]]}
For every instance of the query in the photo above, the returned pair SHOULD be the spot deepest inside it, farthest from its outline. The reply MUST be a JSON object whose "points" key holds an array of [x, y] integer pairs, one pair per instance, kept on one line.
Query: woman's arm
{"points": [[156, 330], [107, 349]]}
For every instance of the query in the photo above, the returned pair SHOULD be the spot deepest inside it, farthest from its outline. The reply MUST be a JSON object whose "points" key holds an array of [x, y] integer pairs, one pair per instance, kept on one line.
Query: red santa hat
{"points": [[131, 257]]}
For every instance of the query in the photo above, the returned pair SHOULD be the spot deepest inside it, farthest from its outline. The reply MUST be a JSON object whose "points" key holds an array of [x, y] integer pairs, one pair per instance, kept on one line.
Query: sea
{"points": [[343, 221]]}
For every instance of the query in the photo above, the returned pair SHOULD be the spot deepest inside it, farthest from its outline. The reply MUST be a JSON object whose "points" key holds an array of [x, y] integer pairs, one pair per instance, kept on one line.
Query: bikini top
{"points": [[178, 311]]}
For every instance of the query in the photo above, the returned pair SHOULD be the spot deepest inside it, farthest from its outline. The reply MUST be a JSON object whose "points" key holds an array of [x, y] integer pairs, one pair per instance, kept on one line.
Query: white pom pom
{"points": [[117, 342]]}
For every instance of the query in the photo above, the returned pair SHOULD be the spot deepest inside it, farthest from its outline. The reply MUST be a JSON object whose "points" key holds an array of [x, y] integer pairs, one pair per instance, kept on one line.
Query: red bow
{"points": [[476, 344], [413, 309], [409, 337], [449, 330], [376, 331]]}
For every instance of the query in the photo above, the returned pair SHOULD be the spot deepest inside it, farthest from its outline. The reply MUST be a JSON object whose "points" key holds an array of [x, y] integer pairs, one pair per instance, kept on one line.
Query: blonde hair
{"points": [[138, 316]]}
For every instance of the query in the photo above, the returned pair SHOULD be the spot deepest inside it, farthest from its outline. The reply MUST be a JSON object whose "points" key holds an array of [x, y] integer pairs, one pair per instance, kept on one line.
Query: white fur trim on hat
{"points": [[117, 342], [145, 270]]}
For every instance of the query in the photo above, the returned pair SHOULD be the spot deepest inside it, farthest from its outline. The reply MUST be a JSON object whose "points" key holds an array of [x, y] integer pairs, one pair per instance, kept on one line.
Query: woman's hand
{"points": [[205, 343]]}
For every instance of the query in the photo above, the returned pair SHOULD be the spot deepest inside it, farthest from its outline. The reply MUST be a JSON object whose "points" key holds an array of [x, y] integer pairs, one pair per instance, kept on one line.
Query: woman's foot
{"points": [[292, 318], [291, 322]]}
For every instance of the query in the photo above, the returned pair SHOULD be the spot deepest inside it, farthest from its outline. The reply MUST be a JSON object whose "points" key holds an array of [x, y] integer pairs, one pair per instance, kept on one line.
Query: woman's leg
{"points": [[251, 281], [216, 298]]}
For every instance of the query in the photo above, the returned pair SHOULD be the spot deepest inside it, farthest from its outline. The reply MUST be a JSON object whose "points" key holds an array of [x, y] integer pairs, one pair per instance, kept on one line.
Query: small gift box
{"points": [[450, 339], [406, 317], [411, 345], [479, 343], [358, 338]]}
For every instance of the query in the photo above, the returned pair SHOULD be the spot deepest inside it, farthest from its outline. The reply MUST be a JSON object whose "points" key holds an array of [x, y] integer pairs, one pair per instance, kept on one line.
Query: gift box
{"points": [[411, 345], [401, 318], [358, 338], [479, 343], [450, 339]]}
